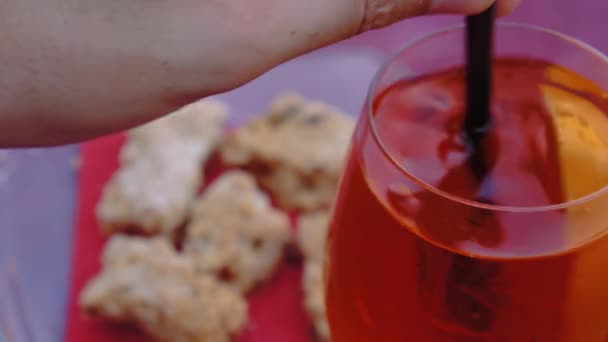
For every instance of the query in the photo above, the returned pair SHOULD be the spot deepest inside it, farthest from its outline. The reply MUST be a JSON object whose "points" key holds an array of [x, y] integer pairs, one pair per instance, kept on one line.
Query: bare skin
{"points": [[77, 69]]}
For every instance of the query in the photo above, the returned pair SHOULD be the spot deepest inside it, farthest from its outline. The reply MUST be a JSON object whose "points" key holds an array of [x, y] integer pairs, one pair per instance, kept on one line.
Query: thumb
{"points": [[379, 13], [316, 23]]}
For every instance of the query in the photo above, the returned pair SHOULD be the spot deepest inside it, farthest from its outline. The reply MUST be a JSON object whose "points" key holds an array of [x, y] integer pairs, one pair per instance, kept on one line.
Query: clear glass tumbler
{"points": [[424, 247]]}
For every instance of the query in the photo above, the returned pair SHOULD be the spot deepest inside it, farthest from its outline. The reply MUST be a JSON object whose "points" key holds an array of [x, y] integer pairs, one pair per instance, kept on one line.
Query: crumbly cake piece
{"points": [[314, 298], [312, 234], [234, 232], [144, 281], [312, 237], [161, 171], [296, 150]]}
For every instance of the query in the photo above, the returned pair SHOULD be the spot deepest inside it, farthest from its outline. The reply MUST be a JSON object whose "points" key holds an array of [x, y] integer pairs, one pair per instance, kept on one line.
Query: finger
{"points": [[380, 13], [505, 7]]}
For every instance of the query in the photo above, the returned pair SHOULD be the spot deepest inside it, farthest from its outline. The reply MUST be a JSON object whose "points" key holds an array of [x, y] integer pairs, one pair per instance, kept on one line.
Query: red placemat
{"points": [[275, 310]]}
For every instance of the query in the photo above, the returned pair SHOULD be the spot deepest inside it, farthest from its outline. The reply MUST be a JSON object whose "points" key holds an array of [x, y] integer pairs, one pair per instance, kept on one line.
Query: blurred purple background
{"points": [[37, 186]]}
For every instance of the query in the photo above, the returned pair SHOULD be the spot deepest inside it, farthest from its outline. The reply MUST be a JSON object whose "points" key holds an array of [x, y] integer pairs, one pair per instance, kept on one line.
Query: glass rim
{"points": [[502, 24]]}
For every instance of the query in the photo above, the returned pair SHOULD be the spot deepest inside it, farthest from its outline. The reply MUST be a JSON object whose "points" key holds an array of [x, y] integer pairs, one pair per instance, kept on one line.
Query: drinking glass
{"points": [[421, 249]]}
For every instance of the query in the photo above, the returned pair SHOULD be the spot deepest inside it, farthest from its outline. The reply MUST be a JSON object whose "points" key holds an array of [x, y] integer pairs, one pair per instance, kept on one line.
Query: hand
{"points": [[76, 69]]}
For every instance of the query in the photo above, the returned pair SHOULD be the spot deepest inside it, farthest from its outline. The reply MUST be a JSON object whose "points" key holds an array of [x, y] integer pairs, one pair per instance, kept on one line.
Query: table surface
{"points": [[37, 186]]}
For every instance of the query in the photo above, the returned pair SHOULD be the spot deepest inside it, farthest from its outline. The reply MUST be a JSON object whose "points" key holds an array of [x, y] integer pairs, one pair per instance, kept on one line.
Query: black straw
{"points": [[480, 31]]}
